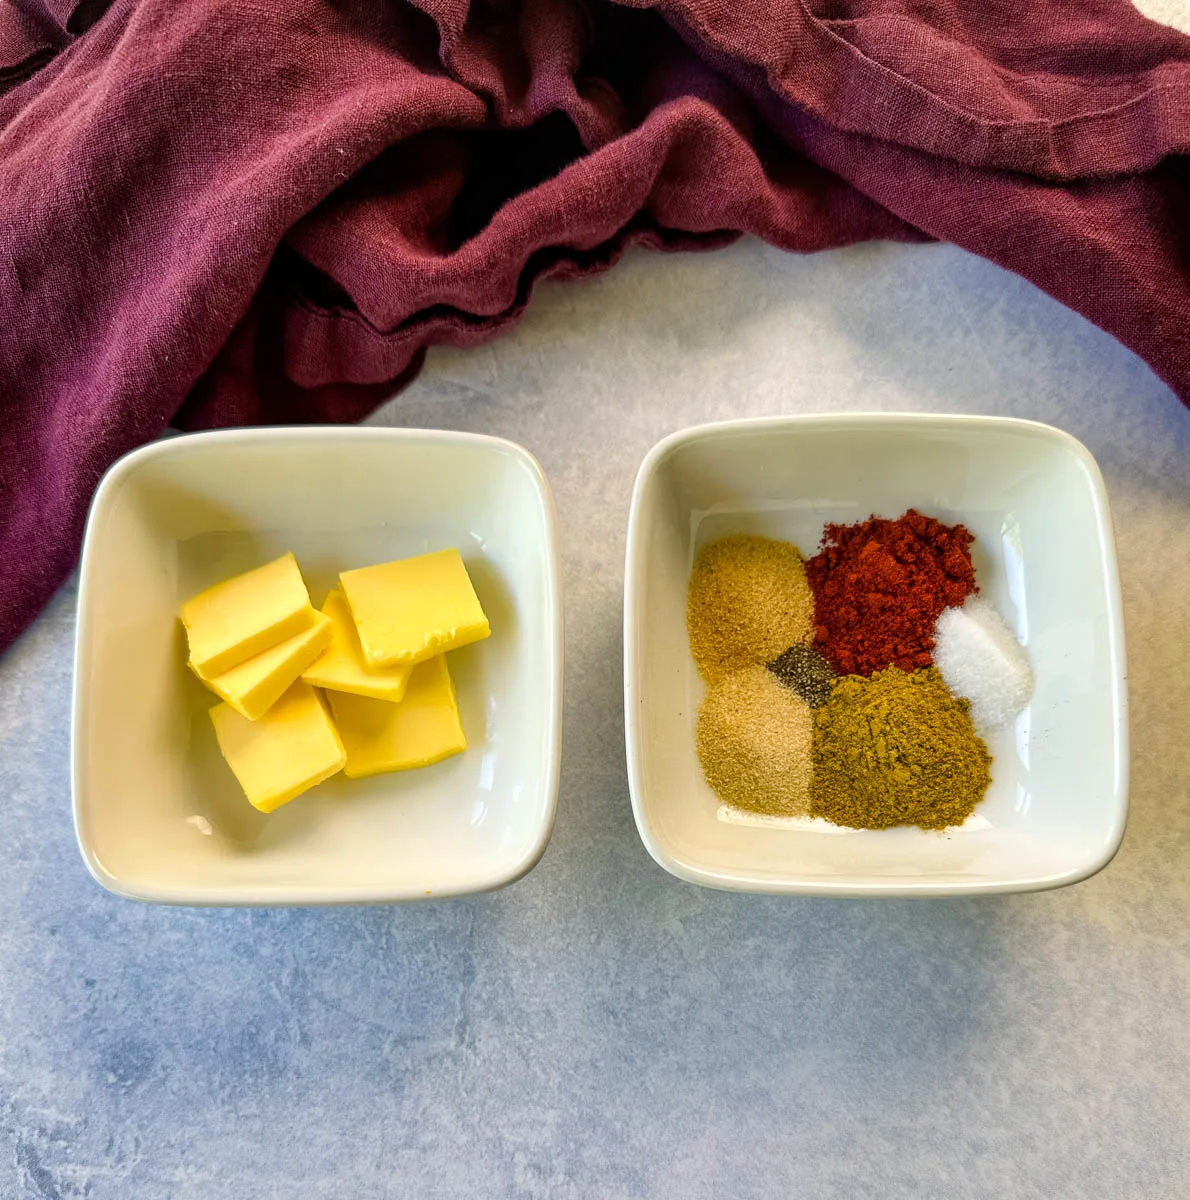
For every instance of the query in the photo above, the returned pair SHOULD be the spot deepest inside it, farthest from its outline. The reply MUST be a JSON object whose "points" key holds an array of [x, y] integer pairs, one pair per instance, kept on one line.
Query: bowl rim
{"points": [[272, 895], [744, 880]]}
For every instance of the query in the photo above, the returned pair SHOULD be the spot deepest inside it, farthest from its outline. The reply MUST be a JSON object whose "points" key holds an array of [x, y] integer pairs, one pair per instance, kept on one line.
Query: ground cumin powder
{"points": [[749, 601], [754, 742], [896, 749]]}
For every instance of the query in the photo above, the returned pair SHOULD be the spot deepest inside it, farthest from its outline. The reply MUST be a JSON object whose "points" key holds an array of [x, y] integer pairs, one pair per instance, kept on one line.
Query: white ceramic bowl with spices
{"points": [[1044, 554], [158, 813]]}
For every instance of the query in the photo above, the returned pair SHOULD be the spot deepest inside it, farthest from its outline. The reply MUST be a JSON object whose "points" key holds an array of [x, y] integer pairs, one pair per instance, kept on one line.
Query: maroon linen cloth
{"points": [[227, 211]]}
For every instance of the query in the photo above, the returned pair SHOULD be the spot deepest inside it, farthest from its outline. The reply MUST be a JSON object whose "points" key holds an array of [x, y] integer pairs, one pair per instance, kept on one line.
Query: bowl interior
{"points": [[158, 811], [1043, 554]]}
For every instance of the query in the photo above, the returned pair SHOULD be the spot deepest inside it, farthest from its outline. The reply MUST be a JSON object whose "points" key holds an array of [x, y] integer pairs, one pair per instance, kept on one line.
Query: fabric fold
{"points": [[1073, 92], [215, 212]]}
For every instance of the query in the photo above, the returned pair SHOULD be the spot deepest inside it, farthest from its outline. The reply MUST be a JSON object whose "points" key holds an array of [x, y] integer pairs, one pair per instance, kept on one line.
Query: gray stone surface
{"points": [[600, 1029]]}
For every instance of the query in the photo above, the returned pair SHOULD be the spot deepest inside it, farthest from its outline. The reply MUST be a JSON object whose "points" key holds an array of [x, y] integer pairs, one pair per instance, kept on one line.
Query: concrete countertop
{"points": [[600, 1029]]}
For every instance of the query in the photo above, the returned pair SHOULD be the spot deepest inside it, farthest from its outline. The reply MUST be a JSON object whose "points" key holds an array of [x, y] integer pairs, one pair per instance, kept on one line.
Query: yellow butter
{"points": [[255, 685], [414, 609], [342, 667], [423, 729], [290, 749], [230, 622]]}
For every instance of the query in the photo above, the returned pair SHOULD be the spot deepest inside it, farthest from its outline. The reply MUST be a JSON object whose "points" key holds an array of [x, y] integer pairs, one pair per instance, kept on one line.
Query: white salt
{"points": [[981, 660]]}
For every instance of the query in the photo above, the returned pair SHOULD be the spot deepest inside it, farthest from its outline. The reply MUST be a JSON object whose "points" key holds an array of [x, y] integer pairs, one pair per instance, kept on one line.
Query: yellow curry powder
{"points": [[896, 748]]}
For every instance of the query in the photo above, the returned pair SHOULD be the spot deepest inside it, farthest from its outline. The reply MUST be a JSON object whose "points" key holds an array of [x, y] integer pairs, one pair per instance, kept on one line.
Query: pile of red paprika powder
{"points": [[879, 586]]}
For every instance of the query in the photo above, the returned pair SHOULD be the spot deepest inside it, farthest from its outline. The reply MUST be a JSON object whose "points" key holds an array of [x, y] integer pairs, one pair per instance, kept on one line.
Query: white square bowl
{"points": [[1044, 554], [158, 814]]}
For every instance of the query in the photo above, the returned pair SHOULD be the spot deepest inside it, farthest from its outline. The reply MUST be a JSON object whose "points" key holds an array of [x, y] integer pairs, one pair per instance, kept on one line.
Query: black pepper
{"points": [[804, 670]]}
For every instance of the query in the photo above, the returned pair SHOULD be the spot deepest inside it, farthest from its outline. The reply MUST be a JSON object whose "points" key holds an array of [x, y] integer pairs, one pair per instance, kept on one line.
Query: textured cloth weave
{"points": [[225, 211]]}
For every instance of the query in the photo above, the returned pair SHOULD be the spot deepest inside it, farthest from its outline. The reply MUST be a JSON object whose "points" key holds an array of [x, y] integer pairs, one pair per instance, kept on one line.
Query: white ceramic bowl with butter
{"points": [[1044, 554], [158, 814]]}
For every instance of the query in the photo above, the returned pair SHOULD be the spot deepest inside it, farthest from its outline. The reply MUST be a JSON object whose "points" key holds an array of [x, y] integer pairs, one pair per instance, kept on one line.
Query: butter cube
{"points": [[423, 729], [240, 617], [290, 749], [342, 667], [414, 609], [255, 685]]}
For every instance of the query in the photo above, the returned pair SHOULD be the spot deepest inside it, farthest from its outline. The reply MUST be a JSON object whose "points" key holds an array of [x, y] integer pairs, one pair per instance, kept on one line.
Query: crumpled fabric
{"points": [[226, 211]]}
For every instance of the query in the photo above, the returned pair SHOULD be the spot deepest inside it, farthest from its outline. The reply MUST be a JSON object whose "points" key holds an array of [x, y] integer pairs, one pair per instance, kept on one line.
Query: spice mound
{"points": [[749, 601], [853, 687], [807, 672], [879, 587], [754, 743], [897, 749], [981, 660]]}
